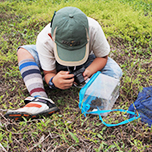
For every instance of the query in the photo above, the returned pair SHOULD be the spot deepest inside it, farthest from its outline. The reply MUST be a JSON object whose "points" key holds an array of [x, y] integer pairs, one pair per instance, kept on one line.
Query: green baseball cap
{"points": [[70, 33]]}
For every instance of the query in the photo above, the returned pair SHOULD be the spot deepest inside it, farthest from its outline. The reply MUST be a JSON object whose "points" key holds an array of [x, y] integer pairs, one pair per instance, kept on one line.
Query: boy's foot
{"points": [[35, 107]]}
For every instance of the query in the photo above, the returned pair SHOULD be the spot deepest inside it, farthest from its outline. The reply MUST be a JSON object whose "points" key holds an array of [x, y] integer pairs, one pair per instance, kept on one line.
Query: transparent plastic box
{"points": [[101, 92]]}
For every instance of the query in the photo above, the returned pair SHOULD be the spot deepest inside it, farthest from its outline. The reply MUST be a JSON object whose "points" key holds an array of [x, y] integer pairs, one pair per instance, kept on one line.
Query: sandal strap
{"points": [[47, 101]]}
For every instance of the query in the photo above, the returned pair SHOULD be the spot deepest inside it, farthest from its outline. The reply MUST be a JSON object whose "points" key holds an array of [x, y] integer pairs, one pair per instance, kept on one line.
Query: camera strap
{"points": [[69, 68]]}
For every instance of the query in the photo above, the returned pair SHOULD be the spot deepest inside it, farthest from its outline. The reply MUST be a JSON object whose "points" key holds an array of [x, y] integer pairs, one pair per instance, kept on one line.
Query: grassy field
{"points": [[128, 28]]}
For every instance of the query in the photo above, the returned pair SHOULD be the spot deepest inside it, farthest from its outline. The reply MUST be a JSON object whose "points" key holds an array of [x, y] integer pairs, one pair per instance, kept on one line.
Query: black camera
{"points": [[78, 74]]}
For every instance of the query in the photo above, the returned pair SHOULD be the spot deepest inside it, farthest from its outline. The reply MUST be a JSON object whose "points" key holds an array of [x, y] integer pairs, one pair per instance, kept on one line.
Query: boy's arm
{"points": [[95, 66], [61, 80]]}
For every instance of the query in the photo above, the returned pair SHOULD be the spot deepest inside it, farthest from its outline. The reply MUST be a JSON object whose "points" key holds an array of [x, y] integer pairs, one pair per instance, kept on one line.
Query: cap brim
{"points": [[71, 57]]}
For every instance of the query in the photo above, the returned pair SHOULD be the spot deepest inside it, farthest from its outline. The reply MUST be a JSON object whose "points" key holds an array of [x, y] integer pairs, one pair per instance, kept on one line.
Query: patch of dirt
{"points": [[125, 134], [89, 130]]}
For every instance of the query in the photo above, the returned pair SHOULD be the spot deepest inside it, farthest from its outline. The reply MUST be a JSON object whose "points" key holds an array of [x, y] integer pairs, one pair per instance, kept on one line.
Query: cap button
{"points": [[71, 15]]}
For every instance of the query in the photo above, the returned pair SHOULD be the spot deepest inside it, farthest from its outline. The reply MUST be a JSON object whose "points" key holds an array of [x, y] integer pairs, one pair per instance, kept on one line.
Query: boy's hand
{"points": [[63, 80], [95, 66], [86, 74]]}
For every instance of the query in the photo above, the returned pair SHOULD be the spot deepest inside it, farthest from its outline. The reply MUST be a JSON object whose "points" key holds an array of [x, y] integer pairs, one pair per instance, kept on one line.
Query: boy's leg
{"points": [[112, 69], [29, 67], [38, 104]]}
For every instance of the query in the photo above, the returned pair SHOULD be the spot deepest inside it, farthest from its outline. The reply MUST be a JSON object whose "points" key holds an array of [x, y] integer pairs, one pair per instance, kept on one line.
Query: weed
{"points": [[127, 26]]}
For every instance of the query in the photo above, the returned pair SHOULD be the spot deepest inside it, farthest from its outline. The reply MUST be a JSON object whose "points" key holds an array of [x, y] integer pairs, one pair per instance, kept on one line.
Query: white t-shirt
{"points": [[45, 46]]}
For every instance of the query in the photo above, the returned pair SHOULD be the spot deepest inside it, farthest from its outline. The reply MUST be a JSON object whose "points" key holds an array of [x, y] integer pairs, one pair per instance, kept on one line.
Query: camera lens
{"points": [[78, 75], [79, 78]]}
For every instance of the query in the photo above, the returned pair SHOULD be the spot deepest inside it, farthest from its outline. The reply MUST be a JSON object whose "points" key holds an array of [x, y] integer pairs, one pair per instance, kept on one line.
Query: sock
{"points": [[32, 77]]}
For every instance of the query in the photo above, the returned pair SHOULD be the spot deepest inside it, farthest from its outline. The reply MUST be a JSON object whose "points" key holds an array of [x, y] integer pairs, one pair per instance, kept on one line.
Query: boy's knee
{"points": [[112, 69], [23, 54], [21, 50]]}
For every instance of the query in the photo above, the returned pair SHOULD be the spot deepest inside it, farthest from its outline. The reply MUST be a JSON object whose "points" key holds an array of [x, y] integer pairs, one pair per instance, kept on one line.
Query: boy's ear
{"points": [[49, 34]]}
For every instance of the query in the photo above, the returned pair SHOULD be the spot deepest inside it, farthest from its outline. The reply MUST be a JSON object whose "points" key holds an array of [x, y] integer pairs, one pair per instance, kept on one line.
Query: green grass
{"points": [[127, 26]]}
